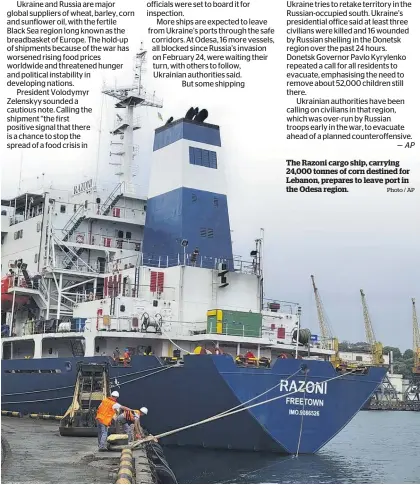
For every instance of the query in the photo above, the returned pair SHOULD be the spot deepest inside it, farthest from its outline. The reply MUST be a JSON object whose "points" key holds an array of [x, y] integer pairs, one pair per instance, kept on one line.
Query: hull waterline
{"points": [[304, 411]]}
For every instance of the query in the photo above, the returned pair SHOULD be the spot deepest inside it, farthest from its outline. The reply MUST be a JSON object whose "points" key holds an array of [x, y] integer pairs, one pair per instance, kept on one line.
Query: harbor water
{"points": [[376, 447]]}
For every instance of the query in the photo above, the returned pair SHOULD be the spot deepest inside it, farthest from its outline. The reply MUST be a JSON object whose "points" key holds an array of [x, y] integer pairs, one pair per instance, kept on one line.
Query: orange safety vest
{"points": [[129, 416], [105, 412]]}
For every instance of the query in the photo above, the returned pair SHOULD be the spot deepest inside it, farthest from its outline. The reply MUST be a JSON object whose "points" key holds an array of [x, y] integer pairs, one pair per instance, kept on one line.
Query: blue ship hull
{"points": [[310, 412]]}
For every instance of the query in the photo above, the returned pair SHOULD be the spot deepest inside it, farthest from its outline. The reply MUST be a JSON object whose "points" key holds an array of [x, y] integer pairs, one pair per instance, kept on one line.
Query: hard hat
{"points": [[115, 394], [144, 410]]}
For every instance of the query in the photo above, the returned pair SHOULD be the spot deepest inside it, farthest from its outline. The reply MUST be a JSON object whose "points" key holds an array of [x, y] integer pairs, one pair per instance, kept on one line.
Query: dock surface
{"points": [[34, 452]]}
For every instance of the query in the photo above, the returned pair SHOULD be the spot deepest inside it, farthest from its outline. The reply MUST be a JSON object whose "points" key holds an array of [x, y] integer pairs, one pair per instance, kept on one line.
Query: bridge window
{"points": [[203, 158]]}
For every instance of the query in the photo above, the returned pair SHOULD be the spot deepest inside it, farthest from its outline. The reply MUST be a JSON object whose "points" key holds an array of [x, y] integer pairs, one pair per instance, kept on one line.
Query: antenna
{"points": [[99, 137], [128, 98], [20, 172]]}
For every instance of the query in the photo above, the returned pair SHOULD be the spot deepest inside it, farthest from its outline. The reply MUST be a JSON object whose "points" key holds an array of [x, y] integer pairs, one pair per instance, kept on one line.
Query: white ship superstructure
{"points": [[86, 271]]}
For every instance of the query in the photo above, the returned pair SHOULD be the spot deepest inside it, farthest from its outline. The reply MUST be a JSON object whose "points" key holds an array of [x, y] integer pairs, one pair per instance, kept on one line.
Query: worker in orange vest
{"points": [[127, 358], [131, 422], [104, 416]]}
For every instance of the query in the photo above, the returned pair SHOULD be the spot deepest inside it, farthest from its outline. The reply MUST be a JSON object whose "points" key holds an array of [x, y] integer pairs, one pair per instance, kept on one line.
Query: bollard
{"points": [[14, 414], [125, 471], [46, 416]]}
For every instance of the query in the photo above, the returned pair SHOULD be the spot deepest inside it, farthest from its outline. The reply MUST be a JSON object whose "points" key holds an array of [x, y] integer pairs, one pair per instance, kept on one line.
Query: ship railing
{"points": [[36, 283], [147, 292], [118, 190], [151, 260], [21, 216], [127, 262], [121, 324], [82, 297], [156, 325], [185, 329], [197, 260], [60, 262], [235, 330], [72, 221], [122, 92], [104, 240], [135, 215], [280, 306], [37, 327], [272, 335], [142, 292], [123, 120]]}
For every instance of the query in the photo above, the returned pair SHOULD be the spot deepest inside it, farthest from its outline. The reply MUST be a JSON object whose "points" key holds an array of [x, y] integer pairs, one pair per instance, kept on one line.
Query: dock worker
{"points": [[116, 354], [105, 415], [194, 257], [131, 422], [127, 357], [148, 351], [137, 428], [249, 355]]}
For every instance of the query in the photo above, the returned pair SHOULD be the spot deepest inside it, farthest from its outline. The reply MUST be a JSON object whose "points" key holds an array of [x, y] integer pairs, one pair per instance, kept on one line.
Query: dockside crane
{"points": [[376, 349], [328, 341], [416, 340], [413, 391]]}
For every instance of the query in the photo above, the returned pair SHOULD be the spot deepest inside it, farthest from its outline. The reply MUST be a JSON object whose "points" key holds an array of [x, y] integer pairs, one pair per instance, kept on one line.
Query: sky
{"points": [[365, 239]]}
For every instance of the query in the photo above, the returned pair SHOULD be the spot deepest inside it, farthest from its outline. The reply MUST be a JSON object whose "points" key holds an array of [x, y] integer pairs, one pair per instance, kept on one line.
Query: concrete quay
{"points": [[34, 452]]}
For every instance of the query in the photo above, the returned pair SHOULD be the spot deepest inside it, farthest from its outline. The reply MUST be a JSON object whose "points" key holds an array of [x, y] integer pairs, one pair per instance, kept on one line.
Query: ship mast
{"points": [[129, 98]]}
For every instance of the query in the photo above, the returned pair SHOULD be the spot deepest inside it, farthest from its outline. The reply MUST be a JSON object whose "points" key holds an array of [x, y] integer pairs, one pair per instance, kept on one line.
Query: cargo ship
{"points": [[151, 286]]}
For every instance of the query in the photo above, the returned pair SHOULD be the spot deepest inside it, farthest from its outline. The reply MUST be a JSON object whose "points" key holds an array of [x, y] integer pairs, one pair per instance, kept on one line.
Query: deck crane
{"points": [[327, 340], [413, 391]]}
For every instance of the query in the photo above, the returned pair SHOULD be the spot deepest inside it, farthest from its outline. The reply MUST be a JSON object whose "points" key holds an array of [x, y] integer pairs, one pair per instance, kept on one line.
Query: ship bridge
{"points": [[187, 202]]}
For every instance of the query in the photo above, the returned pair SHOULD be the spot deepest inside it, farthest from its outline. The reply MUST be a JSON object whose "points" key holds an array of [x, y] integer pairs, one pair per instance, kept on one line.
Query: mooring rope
{"points": [[259, 395], [147, 375], [71, 397], [69, 387], [224, 415], [34, 392], [39, 400]]}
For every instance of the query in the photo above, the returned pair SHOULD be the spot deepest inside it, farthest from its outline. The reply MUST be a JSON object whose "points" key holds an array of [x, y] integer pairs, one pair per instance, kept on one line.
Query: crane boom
{"points": [[376, 348], [416, 340], [328, 341], [323, 326]]}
